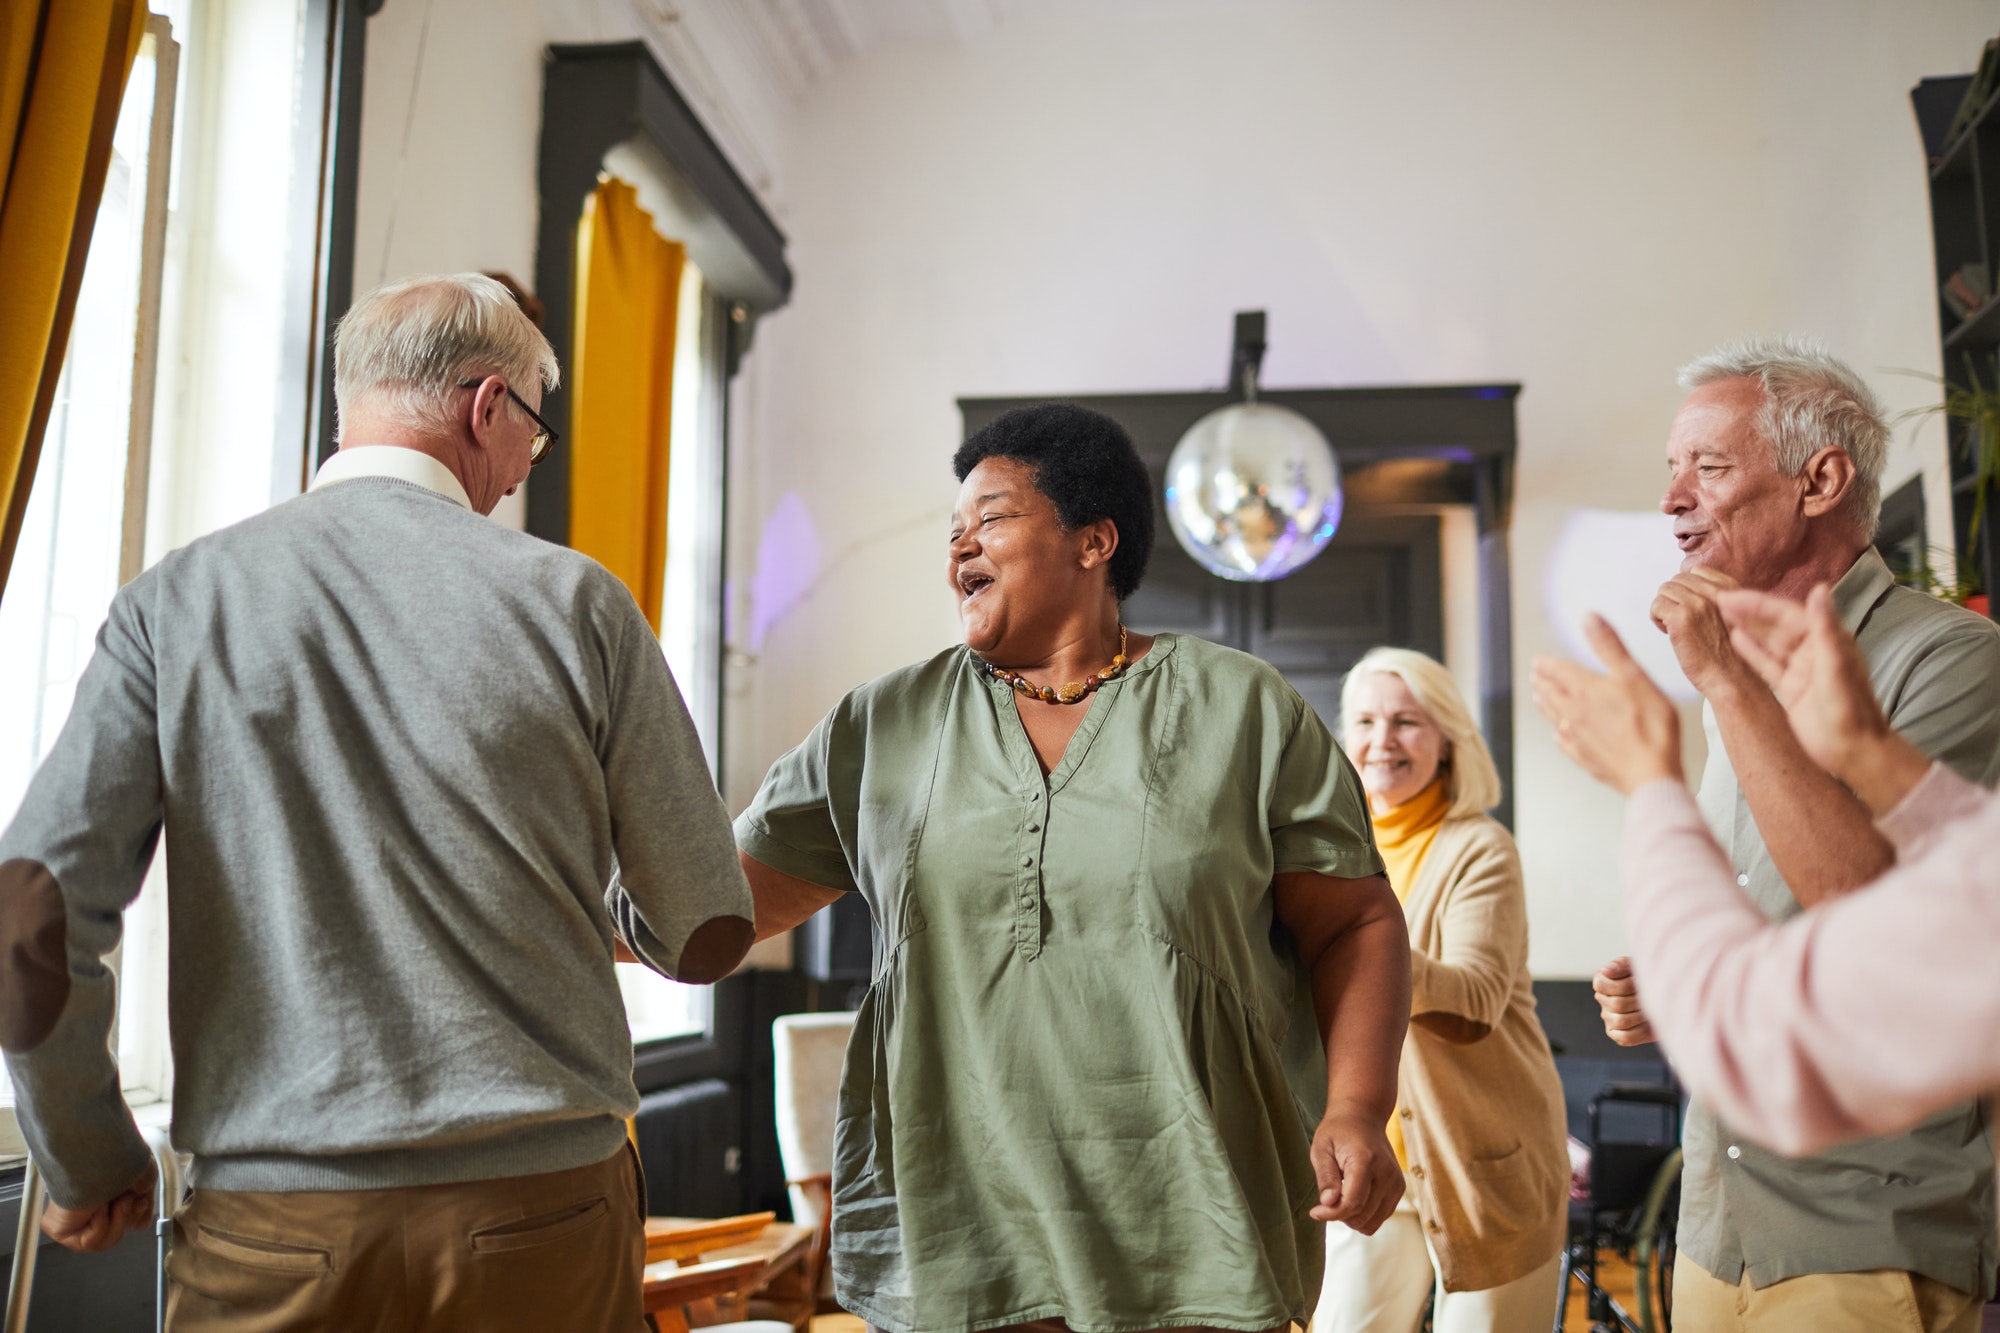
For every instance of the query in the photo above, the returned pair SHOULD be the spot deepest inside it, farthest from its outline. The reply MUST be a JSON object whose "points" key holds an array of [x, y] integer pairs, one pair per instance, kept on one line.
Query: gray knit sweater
{"points": [[413, 769]]}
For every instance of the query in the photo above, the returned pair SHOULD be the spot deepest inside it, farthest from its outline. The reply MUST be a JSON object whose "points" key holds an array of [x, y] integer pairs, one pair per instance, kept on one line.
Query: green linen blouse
{"points": [[1065, 1096]]}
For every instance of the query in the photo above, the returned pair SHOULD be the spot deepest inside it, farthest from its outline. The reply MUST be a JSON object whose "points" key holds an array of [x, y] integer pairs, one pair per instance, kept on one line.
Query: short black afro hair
{"points": [[1085, 463]]}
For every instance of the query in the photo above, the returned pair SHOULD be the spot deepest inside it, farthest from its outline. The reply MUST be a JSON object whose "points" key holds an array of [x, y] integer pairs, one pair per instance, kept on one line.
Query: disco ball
{"points": [[1253, 491]]}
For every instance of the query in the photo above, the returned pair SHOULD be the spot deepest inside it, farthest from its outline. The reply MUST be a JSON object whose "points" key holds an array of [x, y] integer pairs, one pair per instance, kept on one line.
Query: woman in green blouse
{"points": [[1114, 876]]}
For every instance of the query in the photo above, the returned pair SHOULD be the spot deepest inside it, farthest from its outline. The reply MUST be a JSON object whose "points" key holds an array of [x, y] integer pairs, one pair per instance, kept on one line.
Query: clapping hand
{"points": [[1618, 726], [1816, 669]]}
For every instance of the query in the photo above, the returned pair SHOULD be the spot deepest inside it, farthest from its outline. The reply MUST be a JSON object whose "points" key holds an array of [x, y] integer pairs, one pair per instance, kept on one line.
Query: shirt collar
{"points": [[1860, 588], [395, 462]]}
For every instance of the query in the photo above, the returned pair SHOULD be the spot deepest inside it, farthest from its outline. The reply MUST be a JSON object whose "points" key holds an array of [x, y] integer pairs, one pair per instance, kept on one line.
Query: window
{"points": [[67, 567], [659, 1009], [83, 532], [614, 103], [690, 613], [123, 478]]}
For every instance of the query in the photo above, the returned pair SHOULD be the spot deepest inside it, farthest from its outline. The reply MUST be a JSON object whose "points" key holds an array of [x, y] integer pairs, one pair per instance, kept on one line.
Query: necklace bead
{"points": [[1075, 691]]}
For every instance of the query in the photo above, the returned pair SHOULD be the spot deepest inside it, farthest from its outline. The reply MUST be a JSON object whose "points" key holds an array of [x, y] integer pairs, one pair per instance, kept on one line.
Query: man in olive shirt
{"points": [[1775, 461]]}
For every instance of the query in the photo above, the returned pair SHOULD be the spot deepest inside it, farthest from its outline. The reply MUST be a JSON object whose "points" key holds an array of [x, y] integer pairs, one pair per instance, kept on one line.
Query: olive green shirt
{"points": [[1064, 1097], [1922, 1202]]}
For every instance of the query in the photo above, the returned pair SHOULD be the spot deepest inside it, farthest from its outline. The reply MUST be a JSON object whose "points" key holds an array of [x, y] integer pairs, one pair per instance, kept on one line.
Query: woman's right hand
{"points": [[1616, 725], [1360, 1183], [1814, 667], [1817, 671]]}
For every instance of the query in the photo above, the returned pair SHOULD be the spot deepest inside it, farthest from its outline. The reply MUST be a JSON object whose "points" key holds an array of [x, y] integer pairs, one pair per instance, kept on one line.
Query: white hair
{"points": [[404, 348], [1812, 401], [1471, 780]]}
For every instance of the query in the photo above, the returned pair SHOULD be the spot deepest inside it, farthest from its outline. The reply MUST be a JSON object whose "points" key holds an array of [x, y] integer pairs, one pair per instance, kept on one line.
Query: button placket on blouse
{"points": [[1028, 892]]}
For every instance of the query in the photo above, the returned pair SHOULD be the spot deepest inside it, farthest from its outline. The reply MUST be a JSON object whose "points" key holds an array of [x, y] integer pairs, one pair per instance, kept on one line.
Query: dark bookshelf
{"points": [[1979, 329], [1965, 229], [1953, 157]]}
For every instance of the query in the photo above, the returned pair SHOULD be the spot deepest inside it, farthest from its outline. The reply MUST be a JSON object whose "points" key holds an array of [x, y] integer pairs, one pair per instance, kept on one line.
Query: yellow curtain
{"points": [[622, 378], [63, 65]]}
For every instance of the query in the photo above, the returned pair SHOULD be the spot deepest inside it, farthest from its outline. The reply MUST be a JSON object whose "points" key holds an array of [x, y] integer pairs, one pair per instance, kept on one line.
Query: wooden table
{"points": [[703, 1271]]}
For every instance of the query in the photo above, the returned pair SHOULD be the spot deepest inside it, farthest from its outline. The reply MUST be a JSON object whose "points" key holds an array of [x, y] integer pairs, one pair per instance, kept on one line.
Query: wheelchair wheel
{"points": [[1644, 1237], [1653, 1247]]}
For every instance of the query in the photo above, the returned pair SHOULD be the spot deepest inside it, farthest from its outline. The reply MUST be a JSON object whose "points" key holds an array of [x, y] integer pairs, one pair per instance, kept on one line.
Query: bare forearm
{"points": [[1361, 992], [783, 901], [1820, 835]]}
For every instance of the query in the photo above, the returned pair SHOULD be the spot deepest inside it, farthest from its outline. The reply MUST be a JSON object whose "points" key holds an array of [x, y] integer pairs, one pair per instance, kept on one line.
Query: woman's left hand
{"points": [[1619, 727], [1359, 1181]]}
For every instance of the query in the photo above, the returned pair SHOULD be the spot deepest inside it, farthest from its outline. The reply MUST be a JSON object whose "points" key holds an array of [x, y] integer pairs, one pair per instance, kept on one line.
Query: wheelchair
{"points": [[1630, 1208]]}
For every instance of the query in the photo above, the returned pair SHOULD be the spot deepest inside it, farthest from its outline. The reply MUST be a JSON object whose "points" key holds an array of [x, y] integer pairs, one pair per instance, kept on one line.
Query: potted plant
{"points": [[1976, 403], [1948, 577], [1975, 406]]}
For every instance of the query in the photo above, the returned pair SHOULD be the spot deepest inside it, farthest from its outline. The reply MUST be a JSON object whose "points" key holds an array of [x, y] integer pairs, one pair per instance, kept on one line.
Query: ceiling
{"points": [[796, 43], [792, 44], [746, 65]]}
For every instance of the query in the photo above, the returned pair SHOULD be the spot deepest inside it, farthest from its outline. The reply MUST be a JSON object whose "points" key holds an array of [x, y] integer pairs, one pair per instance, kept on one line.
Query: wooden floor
{"points": [[1613, 1273]]}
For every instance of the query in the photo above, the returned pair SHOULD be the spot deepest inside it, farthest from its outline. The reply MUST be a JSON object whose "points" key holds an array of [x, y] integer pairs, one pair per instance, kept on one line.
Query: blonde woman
{"points": [[1479, 1124]]}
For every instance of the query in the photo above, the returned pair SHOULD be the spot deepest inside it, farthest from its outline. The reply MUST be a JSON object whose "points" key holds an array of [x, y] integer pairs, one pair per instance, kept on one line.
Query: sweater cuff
{"points": [[1939, 798], [88, 1154], [1662, 803], [1421, 999]]}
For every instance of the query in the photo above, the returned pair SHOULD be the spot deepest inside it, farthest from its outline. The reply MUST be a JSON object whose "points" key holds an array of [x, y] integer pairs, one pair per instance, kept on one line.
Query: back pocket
{"points": [[544, 1230], [273, 1256]]}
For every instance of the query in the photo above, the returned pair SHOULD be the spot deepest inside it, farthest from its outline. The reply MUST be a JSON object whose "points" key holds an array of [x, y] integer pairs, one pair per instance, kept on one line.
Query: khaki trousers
{"points": [[1882, 1300], [540, 1254]]}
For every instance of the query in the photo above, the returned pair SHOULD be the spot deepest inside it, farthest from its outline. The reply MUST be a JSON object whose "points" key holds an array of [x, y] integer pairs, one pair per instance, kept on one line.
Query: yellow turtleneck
{"points": [[1404, 835]]}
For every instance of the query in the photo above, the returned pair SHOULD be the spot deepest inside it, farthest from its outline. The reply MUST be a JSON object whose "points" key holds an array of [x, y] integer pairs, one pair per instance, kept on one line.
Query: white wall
{"points": [[451, 123], [1569, 194], [1574, 195], [1850, 218], [451, 131]]}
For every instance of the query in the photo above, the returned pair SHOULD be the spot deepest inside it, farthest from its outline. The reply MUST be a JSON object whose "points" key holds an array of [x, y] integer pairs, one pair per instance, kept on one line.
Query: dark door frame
{"points": [[1423, 445], [326, 154], [595, 97]]}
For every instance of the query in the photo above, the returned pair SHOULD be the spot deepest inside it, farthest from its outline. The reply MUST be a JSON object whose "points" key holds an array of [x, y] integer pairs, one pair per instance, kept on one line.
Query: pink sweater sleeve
{"points": [[1940, 799], [1856, 1019]]}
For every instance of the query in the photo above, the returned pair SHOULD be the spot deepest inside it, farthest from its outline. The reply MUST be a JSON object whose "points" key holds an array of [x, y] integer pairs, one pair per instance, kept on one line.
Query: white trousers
{"points": [[1378, 1284]]}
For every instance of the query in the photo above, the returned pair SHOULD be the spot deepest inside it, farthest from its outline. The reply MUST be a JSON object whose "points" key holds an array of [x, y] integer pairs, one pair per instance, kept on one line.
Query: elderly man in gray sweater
{"points": [[419, 776]]}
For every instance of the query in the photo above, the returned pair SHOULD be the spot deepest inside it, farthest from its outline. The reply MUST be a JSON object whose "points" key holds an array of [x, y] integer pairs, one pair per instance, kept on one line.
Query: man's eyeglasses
{"points": [[544, 439]]}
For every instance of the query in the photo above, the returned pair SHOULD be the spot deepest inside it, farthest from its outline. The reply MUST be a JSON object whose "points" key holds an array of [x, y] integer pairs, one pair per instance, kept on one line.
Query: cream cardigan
{"points": [[1482, 1105]]}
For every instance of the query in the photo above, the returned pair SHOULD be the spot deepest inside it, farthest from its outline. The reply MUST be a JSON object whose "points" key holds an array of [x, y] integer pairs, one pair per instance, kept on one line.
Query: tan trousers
{"points": [[1883, 1300], [1379, 1283], [540, 1254]]}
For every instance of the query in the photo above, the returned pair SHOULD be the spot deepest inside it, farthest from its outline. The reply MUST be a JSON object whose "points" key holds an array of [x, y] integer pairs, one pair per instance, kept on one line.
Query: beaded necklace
{"points": [[1074, 692]]}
